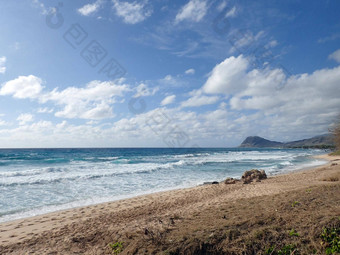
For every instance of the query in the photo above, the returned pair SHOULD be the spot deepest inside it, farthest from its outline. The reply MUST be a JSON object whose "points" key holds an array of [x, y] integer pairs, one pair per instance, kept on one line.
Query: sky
{"points": [[166, 73]]}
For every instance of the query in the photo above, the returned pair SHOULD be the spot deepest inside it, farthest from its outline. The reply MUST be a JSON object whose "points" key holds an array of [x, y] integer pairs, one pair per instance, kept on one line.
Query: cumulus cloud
{"points": [[132, 13], [228, 76], [194, 10], [168, 100], [190, 71], [2, 64], [335, 56], [88, 9], [94, 101], [299, 103], [91, 102], [23, 87], [302, 94], [25, 118]]}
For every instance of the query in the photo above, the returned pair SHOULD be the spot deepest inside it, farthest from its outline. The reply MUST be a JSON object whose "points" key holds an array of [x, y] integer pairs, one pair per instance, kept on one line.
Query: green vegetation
{"points": [[335, 153], [318, 146], [116, 247], [293, 233], [295, 203], [331, 239], [285, 250]]}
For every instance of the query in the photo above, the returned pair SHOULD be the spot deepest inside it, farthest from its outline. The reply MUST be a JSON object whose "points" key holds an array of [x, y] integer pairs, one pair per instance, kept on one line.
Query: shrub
{"points": [[331, 239]]}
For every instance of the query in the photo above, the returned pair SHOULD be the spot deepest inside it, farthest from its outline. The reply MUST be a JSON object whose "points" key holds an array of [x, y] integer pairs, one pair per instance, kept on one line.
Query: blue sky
{"points": [[166, 73]]}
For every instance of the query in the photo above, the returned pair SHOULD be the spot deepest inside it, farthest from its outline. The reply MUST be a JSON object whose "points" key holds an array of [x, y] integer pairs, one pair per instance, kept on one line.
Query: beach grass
{"points": [[335, 153]]}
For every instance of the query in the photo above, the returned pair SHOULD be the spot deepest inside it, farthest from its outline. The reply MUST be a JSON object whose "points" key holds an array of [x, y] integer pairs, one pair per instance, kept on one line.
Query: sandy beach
{"points": [[200, 220]]}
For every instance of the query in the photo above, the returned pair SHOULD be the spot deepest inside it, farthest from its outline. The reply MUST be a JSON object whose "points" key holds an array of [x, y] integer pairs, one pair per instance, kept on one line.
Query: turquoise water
{"points": [[37, 181]]}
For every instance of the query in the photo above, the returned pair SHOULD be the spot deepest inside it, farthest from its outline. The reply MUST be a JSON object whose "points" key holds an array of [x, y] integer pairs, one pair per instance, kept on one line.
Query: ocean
{"points": [[37, 181]]}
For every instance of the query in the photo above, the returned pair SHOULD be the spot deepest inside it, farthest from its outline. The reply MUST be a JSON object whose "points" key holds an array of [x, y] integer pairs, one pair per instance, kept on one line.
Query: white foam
{"points": [[133, 176]]}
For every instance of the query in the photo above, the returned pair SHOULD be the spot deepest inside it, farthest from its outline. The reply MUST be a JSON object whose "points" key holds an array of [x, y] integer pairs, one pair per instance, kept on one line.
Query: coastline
{"points": [[91, 202], [97, 225]]}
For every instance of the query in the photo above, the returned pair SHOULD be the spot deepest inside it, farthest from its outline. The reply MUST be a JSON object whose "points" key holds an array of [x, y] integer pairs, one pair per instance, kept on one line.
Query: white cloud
{"points": [[242, 40], [300, 94], [329, 38], [40, 5], [2, 64], [194, 10], [92, 102], [44, 10], [297, 106], [168, 78], [132, 13], [190, 71], [25, 118], [221, 6], [168, 100], [335, 56], [231, 13], [143, 90], [88, 9], [169, 82], [198, 99], [228, 76], [23, 87], [272, 44], [45, 110]]}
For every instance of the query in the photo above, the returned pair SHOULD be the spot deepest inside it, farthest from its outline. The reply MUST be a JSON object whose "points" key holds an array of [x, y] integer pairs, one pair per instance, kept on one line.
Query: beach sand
{"points": [[209, 219]]}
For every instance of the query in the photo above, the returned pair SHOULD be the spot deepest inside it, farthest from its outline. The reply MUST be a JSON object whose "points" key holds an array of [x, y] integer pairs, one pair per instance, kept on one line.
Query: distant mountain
{"points": [[259, 142], [321, 141], [326, 139]]}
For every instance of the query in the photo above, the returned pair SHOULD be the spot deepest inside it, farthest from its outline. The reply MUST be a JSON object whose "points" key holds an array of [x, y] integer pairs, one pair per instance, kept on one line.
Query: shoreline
{"points": [[84, 203], [129, 214]]}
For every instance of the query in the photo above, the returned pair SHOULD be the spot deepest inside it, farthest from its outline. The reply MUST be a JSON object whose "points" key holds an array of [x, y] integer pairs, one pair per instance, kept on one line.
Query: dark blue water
{"points": [[35, 181]]}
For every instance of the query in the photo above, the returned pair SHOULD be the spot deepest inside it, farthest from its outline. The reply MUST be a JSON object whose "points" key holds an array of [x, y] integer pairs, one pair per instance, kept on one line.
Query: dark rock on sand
{"points": [[209, 183], [254, 174], [230, 181]]}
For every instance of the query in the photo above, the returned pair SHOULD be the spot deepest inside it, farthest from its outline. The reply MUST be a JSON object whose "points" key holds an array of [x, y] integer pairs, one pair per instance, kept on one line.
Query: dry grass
{"points": [[333, 178], [258, 226]]}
